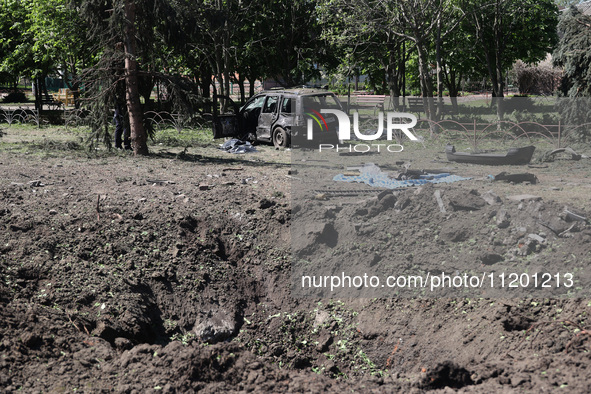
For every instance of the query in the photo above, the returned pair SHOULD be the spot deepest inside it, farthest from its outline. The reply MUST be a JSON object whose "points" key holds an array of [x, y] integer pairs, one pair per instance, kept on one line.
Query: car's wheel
{"points": [[280, 138]]}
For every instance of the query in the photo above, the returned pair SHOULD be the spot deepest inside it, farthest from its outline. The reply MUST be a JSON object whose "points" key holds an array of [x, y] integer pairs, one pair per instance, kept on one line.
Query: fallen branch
{"points": [[77, 328]]}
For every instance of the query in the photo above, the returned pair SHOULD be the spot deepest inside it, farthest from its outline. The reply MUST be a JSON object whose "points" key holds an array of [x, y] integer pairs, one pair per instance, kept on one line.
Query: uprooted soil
{"points": [[172, 273]]}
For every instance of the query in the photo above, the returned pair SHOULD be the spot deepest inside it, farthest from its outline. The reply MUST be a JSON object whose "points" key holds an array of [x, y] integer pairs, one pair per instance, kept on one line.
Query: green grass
{"points": [[186, 137]]}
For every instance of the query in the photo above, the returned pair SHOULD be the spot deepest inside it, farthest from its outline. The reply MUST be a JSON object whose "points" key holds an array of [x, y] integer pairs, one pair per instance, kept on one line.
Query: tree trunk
{"points": [[393, 69], [251, 82], [134, 108], [205, 82], [426, 82], [37, 94], [226, 48], [439, 71], [241, 87]]}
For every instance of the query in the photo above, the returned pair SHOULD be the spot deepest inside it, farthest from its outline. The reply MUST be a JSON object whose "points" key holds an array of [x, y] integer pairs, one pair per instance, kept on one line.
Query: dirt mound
{"points": [[442, 231], [174, 276]]}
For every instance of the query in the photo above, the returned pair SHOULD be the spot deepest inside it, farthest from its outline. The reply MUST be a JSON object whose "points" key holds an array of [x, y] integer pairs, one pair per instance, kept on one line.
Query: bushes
{"points": [[541, 79], [16, 97]]}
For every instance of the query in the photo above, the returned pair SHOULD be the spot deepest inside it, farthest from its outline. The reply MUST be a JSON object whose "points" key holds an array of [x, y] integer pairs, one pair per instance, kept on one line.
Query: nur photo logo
{"points": [[395, 124]]}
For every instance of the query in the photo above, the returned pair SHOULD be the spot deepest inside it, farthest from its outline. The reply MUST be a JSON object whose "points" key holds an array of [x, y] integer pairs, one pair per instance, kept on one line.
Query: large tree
{"points": [[505, 31], [126, 35], [573, 53], [364, 43]]}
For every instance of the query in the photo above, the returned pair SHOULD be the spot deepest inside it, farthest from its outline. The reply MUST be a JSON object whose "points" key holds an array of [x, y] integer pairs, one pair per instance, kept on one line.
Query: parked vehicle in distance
{"points": [[272, 116]]}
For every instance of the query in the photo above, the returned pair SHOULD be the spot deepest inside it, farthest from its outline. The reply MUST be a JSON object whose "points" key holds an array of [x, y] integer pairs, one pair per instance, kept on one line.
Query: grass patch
{"points": [[186, 137]]}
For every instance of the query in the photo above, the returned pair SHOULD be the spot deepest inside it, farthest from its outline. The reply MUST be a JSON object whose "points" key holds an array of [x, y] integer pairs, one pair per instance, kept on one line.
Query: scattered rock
{"points": [[439, 201], [266, 203], [388, 201], [529, 245], [524, 197], [36, 183], [491, 198], [491, 258], [452, 233], [30, 340], [122, 343], [323, 343], [376, 258], [502, 218], [467, 202], [447, 374], [517, 178], [537, 238], [220, 326], [320, 318]]}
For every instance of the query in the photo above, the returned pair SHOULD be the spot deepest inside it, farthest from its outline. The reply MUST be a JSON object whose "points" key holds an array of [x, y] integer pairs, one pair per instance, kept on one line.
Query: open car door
{"points": [[225, 117]]}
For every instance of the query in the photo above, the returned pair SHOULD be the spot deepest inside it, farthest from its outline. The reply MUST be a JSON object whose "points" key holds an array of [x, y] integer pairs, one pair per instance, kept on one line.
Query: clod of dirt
{"points": [[491, 198], [491, 258], [502, 219], [467, 202], [266, 203], [388, 201], [220, 326], [447, 374], [123, 343], [451, 231], [516, 323]]}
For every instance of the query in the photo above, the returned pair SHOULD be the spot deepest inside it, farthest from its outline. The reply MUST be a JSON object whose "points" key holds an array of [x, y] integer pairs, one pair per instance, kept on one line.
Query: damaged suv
{"points": [[274, 115]]}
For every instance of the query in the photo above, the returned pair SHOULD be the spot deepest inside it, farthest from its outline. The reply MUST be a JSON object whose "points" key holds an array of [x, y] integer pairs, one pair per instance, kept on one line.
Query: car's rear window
{"points": [[321, 101]]}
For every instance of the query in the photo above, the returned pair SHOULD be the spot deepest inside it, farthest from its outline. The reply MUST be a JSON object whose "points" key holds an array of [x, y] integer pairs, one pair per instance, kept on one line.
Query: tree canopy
{"points": [[113, 51], [573, 53]]}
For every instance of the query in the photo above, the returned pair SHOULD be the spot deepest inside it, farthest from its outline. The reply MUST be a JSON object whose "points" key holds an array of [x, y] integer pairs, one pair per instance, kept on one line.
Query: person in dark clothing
{"points": [[121, 129]]}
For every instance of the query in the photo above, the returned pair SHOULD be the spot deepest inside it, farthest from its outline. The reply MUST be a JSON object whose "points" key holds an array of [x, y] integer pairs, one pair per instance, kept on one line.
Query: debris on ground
{"points": [[513, 156], [524, 197], [549, 156], [372, 175], [516, 178], [570, 216], [237, 146]]}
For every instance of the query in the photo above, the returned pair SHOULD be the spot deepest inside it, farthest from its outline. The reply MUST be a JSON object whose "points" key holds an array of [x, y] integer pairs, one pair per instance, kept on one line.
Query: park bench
{"points": [[64, 96], [47, 101], [374, 100], [415, 104]]}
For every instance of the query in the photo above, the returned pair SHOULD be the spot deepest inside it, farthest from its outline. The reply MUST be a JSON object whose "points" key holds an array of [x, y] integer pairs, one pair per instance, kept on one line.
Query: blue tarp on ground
{"points": [[372, 176]]}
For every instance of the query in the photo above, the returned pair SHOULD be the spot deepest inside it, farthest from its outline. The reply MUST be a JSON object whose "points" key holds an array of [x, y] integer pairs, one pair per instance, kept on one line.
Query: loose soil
{"points": [[172, 273]]}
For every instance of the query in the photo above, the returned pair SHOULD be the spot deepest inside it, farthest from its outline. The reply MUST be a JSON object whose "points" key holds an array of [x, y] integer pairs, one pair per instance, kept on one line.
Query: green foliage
{"points": [[573, 53], [505, 31], [15, 97], [537, 79], [16, 41]]}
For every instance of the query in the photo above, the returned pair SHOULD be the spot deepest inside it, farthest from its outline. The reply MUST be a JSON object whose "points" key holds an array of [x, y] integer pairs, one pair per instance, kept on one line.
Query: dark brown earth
{"points": [[172, 273]]}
